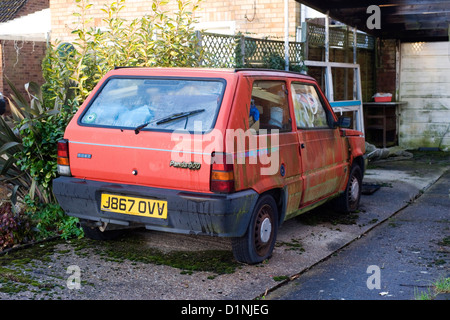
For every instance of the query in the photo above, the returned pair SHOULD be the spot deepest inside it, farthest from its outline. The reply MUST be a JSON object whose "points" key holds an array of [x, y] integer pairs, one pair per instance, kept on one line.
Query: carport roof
{"points": [[407, 20]]}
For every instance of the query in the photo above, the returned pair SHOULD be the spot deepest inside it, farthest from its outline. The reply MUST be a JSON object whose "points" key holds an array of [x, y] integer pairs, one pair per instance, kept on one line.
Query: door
{"points": [[271, 154], [322, 149]]}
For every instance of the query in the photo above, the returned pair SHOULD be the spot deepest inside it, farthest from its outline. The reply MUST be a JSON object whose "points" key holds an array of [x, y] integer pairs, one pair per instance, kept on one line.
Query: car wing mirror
{"points": [[343, 122]]}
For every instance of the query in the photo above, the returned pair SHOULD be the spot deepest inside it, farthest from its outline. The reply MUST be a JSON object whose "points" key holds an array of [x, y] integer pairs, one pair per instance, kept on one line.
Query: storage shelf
{"points": [[380, 122]]}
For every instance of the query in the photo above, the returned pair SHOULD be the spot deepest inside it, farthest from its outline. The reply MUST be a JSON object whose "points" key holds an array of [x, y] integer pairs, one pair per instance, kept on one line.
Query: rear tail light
{"points": [[222, 176], [63, 158]]}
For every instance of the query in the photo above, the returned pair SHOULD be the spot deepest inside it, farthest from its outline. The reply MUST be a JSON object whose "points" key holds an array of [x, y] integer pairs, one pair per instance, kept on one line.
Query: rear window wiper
{"points": [[172, 117]]}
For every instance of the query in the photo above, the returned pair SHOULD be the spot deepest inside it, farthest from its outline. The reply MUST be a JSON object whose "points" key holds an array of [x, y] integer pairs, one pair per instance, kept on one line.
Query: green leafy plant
{"points": [[36, 131], [157, 39], [28, 138]]}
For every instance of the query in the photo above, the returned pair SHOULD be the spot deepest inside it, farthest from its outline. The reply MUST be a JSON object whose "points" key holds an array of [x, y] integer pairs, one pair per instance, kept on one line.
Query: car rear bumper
{"points": [[225, 215]]}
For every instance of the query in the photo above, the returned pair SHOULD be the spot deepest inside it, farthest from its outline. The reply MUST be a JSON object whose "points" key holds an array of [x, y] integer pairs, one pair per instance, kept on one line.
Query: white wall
{"points": [[425, 86]]}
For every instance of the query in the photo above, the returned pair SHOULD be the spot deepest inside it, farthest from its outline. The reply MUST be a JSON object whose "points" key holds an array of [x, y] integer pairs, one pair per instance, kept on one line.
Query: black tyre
{"points": [[258, 242], [349, 200]]}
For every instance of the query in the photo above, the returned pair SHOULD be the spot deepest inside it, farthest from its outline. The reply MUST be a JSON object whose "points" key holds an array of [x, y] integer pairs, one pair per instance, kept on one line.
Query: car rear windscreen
{"points": [[156, 104]]}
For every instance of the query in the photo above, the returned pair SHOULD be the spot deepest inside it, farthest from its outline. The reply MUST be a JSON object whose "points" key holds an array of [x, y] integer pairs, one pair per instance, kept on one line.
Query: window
{"points": [[161, 104], [269, 107], [308, 108]]}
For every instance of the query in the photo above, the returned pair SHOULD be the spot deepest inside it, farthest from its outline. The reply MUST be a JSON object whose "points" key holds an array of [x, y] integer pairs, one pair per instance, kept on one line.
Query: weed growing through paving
{"points": [[295, 245], [442, 285]]}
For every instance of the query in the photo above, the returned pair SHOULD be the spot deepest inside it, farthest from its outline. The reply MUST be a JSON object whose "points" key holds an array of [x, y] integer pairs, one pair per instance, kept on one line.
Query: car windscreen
{"points": [[156, 104]]}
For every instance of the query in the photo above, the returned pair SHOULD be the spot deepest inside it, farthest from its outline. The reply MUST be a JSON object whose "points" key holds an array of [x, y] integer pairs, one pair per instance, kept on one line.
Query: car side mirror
{"points": [[343, 122]]}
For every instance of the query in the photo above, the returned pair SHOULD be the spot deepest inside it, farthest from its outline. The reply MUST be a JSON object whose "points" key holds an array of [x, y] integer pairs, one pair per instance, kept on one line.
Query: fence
{"points": [[225, 51], [236, 51], [339, 37]]}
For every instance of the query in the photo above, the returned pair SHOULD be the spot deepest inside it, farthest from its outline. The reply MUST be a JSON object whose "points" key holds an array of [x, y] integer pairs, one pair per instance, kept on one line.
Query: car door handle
{"points": [[300, 147]]}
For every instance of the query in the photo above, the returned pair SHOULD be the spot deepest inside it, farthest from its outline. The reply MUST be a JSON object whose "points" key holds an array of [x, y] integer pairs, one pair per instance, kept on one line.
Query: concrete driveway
{"points": [[155, 265]]}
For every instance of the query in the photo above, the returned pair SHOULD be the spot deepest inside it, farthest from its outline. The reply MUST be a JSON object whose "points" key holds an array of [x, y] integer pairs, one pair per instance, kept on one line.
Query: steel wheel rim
{"points": [[353, 194]]}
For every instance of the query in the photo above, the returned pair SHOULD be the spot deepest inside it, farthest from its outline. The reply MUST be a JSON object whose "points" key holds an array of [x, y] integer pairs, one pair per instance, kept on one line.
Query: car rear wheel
{"points": [[258, 242], [349, 200]]}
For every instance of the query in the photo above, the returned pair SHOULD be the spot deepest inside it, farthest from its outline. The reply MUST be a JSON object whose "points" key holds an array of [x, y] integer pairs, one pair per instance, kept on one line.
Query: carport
{"points": [[412, 63]]}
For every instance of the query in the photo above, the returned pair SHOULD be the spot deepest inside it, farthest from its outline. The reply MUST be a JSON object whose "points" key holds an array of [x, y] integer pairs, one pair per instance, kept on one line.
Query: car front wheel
{"points": [[349, 200]]}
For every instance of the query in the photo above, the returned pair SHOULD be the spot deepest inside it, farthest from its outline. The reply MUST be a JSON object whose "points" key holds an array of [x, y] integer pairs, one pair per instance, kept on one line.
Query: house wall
{"points": [[424, 85], [21, 59], [258, 17], [21, 63]]}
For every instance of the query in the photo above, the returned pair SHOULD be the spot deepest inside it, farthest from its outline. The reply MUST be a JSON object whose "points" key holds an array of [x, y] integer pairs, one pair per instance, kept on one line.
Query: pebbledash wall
{"points": [[261, 17]]}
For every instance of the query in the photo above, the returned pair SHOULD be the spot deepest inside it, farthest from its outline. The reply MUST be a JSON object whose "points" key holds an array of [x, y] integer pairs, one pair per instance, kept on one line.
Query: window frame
{"points": [[328, 116], [287, 104]]}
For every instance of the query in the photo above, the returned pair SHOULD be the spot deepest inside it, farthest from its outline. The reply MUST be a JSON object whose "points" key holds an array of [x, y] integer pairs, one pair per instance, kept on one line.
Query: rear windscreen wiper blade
{"points": [[169, 118]]}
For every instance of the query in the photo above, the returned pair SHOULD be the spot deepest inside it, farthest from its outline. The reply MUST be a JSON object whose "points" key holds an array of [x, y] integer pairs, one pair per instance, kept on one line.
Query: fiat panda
{"points": [[224, 153]]}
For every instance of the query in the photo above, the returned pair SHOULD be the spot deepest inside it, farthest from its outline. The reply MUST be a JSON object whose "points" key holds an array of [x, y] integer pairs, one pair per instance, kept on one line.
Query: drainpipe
{"points": [[328, 77], [286, 34]]}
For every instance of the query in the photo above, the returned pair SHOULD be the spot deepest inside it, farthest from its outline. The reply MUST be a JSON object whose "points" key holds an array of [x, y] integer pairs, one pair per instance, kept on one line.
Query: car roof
{"points": [[247, 71], [273, 72]]}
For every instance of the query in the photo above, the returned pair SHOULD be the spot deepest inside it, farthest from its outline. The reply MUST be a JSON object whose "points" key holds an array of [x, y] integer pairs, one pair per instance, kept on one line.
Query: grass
{"points": [[440, 286]]}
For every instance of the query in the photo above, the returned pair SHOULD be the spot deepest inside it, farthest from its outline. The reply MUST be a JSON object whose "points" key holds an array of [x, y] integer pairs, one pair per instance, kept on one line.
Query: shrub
{"points": [[28, 139]]}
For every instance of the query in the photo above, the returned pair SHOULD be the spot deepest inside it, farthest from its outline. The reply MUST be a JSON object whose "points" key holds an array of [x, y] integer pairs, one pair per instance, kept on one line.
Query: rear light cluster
{"points": [[63, 158], [222, 176]]}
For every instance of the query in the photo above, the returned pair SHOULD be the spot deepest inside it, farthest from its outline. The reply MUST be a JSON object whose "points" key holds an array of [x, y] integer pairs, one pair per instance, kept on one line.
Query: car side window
{"points": [[308, 108], [269, 108]]}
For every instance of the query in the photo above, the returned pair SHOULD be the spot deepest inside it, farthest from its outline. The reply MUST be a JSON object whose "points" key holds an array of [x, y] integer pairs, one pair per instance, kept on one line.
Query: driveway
{"points": [[401, 259], [156, 265]]}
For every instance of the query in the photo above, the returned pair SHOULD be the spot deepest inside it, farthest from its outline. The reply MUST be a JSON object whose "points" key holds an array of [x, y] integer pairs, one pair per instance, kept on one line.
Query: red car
{"points": [[228, 153]]}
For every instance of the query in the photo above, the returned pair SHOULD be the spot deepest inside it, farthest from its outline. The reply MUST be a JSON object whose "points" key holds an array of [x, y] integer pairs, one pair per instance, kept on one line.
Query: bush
{"points": [[28, 139], [154, 40]]}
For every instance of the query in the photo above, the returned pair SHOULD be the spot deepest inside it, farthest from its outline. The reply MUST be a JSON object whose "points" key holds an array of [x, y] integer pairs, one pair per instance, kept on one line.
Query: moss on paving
{"points": [[16, 269], [134, 248]]}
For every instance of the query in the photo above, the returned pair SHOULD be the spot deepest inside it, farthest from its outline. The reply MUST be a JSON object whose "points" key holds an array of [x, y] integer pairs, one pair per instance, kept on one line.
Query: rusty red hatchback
{"points": [[227, 153]]}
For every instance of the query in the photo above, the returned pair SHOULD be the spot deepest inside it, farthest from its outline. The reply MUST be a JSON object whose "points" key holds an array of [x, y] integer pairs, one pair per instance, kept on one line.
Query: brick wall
{"points": [[21, 63], [386, 69], [260, 17], [20, 59]]}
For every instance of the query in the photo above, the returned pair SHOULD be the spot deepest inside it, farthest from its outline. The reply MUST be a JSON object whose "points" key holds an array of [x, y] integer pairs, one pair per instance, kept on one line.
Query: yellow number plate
{"points": [[135, 206]]}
